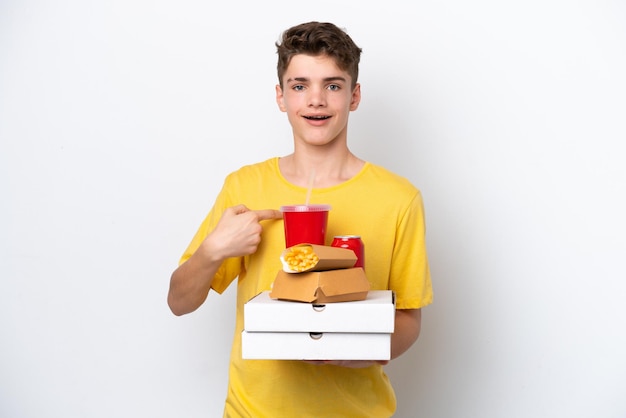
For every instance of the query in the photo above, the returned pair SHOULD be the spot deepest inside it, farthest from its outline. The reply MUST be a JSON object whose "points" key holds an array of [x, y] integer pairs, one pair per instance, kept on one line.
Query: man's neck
{"points": [[327, 169]]}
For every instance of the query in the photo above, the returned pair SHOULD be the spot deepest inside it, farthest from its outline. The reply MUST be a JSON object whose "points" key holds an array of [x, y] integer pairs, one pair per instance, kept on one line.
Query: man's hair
{"points": [[316, 39]]}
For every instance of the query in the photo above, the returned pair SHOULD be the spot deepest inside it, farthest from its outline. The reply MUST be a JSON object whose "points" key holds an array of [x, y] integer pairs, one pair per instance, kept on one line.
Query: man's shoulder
{"points": [[389, 178]]}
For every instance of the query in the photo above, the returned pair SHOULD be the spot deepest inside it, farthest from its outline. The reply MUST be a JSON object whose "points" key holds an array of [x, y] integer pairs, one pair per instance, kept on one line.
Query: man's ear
{"points": [[280, 99], [356, 97]]}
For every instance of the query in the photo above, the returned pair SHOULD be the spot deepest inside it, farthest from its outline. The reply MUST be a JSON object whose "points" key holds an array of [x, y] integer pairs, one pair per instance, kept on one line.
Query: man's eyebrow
{"points": [[305, 79], [336, 78]]}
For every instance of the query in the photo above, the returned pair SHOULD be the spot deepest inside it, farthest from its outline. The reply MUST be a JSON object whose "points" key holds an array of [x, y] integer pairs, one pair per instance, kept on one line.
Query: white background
{"points": [[120, 119]]}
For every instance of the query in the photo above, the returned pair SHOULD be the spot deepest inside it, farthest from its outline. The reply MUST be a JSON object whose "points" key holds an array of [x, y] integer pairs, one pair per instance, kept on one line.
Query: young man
{"points": [[242, 236]]}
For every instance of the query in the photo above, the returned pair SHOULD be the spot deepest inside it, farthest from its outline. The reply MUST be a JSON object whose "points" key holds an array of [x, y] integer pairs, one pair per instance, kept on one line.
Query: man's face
{"points": [[317, 98]]}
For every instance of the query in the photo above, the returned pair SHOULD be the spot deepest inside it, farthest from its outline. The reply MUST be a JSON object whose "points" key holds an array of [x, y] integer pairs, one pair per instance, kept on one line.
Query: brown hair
{"points": [[317, 38]]}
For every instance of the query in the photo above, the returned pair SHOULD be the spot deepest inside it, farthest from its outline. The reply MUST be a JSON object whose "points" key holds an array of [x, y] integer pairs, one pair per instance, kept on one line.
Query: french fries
{"points": [[301, 258]]}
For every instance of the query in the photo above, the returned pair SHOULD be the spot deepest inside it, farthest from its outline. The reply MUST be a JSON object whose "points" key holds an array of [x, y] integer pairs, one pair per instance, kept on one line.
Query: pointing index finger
{"points": [[266, 214]]}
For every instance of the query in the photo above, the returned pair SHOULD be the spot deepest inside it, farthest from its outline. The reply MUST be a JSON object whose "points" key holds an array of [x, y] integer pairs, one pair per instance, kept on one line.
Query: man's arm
{"points": [[191, 281], [407, 329], [237, 233]]}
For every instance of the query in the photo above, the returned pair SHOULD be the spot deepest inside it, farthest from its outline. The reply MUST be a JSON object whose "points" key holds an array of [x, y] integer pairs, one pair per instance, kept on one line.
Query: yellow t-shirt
{"points": [[386, 210]]}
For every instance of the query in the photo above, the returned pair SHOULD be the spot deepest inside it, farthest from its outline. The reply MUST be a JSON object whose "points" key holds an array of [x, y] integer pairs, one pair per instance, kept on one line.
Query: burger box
{"points": [[287, 330], [341, 285]]}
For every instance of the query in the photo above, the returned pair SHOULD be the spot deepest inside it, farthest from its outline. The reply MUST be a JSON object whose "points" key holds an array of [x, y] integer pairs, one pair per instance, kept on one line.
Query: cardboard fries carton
{"points": [[341, 285], [322, 257]]}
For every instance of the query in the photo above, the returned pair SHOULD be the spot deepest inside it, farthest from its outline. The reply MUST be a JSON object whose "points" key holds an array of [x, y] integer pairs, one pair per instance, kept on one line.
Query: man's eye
{"points": [[298, 87], [334, 87]]}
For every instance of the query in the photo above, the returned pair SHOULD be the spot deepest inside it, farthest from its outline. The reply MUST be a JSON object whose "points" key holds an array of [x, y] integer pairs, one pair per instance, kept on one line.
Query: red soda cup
{"points": [[305, 224]]}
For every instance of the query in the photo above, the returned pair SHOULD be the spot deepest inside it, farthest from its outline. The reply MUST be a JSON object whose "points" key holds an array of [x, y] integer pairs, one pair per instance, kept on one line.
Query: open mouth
{"points": [[317, 117]]}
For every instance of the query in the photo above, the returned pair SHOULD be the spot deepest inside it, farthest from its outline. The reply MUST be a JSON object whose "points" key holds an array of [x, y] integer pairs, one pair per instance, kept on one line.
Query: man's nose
{"points": [[317, 97]]}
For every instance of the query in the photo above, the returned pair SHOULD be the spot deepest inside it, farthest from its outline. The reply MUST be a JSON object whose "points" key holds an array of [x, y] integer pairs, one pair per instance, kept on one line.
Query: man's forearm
{"points": [[407, 329]]}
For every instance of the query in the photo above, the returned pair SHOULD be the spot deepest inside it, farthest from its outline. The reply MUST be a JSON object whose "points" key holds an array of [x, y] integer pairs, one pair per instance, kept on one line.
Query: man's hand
{"points": [[238, 232]]}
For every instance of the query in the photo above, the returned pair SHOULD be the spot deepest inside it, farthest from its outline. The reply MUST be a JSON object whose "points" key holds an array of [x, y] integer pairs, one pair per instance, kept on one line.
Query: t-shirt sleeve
{"points": [[231, 267], [410, 271]]}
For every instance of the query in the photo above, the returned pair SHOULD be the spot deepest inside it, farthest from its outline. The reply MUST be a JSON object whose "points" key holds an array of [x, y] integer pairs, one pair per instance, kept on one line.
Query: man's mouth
{"points": [[317, 117]]}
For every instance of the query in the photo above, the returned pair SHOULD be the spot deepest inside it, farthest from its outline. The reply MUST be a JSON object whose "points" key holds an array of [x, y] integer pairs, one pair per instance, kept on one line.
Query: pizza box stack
{"points": [[321, 308]]}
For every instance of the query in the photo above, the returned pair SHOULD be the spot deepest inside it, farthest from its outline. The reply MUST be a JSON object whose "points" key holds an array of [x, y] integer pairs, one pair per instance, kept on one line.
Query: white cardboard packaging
{"points": [[287, 330], [375, 314], [312, 346]]}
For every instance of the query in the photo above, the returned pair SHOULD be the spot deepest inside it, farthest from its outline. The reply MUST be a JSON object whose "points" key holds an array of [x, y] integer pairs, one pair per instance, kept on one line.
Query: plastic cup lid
{"points": [[305, 208]]}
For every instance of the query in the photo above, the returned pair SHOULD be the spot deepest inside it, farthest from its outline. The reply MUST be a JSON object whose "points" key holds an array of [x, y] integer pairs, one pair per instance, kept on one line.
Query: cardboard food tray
{"points": [[330, 258], [342, 285]]}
